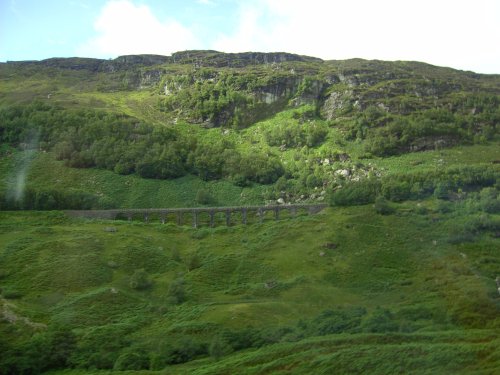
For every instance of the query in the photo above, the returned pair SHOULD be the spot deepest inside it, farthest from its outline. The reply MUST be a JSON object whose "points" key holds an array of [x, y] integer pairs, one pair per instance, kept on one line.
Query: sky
{"points": [[462, 34]]}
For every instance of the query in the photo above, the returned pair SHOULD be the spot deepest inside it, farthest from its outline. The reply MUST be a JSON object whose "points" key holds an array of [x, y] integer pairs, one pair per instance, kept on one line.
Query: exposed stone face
{"points": [[218, 59], [335, 87], [337, 101], [150, 78]]}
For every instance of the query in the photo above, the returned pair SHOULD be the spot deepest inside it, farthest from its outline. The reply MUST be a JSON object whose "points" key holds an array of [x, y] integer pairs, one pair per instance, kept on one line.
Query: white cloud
{"points": [[205, 2], [456, 33], [125, 28]]}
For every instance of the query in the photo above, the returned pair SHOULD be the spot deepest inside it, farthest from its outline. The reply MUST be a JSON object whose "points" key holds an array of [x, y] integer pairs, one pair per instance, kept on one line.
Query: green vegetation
{"points": [[399, 275], [148, 296]]}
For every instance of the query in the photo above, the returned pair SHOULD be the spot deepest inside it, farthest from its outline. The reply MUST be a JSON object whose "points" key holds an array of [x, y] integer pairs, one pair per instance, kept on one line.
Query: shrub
{"points": [[132, 359], [380, 321], [99, 347], [356, 193], [219, 347], [140, 280], [177, 291], [382, 206], [183, 350], [335, 321], [396, 191], [11, 293], [442, 191], [203, 196], [194, 261]]}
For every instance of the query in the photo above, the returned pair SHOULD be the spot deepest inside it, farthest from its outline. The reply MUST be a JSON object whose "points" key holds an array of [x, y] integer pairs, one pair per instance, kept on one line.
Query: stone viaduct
{"points": [[244, 213]]}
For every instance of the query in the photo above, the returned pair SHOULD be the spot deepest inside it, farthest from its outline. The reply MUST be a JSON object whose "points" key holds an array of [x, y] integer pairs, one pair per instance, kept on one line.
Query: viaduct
{"points": [[244, 213]]}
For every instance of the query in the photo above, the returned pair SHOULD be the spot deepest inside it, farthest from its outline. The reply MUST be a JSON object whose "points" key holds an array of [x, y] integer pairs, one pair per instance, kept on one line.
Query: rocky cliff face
{"points": [[218, 89]]}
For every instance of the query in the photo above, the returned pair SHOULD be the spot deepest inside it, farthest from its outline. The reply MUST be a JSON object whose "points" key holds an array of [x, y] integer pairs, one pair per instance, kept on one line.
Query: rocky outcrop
{"points": [[121, 63], [236, 60]]}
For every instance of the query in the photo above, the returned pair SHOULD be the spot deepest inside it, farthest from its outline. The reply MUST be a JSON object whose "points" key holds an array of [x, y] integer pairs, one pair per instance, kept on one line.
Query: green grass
{"points": [[76, 273], [421, 280], [450, 352], [436, 160], [126, 191]]}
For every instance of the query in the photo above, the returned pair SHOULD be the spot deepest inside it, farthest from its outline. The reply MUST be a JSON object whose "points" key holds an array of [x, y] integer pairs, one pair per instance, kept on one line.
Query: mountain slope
{"points": [[149, 296], [273, 125]]}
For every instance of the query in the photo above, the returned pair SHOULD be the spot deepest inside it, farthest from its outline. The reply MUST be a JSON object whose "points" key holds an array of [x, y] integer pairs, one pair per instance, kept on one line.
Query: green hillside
{"points": [[413, 288], [399, 275], [272, 125]]}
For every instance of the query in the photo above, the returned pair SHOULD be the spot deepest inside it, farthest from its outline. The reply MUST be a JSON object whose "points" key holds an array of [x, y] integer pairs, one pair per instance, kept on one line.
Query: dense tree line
{"points": [[471, 119], [410, 186], [85, 138], [296, 134]]}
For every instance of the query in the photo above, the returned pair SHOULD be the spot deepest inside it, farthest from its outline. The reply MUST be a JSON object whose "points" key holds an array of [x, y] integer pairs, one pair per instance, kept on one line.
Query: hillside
{"points": [[399, 275], [406, 291], [271, 125]]}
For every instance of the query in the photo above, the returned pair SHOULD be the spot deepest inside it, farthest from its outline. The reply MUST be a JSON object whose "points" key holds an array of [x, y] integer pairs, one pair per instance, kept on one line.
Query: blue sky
{"points": [[462, 34]]}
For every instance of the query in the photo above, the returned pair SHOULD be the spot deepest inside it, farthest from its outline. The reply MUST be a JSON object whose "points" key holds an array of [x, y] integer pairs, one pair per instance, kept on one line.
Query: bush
{"points": [[382, 206], [341, 320], [203, 196], [219, 347], [140, 280], [396, 191], [356, 193], [194, 260], [177, 291], [132, 359], [442, 191], [380, 321], [183, 350], [11, 293], [99, 347]]}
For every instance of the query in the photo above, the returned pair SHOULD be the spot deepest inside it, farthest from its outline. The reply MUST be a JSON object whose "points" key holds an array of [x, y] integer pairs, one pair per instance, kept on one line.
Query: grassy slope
{"points": [[401, 262], [133, 191], [127, 191]]}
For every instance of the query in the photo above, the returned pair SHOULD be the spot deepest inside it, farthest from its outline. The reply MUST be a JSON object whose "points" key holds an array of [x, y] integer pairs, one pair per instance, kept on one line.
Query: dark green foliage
{"points": [[132, 359], [219, 347], [50, 349], [442, 191], [119, 143], [248, 337], [140, 280], [209, 97], [177, 291], [380, 321], [100, 347], [343, 320], [203, 196], [180, 351], [37, 199], [193, 261], [353, 193], [382, 206], [11, 293], [396, 191], [296, 134], [417, 186], [430, 129]]}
